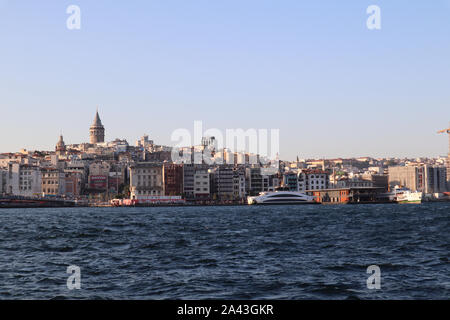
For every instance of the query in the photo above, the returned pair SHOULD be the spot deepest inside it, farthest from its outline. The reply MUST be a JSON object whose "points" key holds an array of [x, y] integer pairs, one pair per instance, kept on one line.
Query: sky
{"points": [[311, 69]]}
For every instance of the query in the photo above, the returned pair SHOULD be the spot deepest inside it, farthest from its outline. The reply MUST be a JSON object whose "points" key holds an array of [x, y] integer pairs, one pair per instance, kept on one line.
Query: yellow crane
{"points": [[448, 159], [445, 131]]}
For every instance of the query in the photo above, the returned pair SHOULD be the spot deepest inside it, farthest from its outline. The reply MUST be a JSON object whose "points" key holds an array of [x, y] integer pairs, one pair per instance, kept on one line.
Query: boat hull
{"points": [[283, 203], [281, 198], [409, 201]]}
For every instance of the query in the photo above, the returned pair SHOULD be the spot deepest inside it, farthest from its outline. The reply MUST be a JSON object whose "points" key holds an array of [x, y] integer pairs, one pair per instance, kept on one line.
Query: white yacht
{"points": [[282, 197]]}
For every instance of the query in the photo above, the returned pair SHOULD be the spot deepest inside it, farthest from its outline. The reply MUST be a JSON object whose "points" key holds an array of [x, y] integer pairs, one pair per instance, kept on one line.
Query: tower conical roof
{"points": [[97, 121]]}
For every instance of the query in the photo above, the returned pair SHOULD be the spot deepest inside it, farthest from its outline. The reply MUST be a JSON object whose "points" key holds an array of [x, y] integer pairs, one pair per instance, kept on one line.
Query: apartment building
{"points": [[239, 183], [23, 180], [146, 180], [173, 179], [313, 180], [53, 182], [202, 184], [98, 176], [424, 178]]}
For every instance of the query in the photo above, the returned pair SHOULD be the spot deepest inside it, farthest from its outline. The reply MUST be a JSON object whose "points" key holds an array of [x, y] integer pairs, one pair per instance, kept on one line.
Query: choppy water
{"points": [[278, 252]]}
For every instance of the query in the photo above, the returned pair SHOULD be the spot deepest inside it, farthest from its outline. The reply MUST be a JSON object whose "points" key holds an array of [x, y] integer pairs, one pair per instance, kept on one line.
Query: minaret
{"points": [[97, 131]]}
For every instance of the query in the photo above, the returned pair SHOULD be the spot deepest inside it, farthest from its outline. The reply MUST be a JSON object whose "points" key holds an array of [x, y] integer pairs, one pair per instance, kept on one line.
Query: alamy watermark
{"points": [[374, 281], [74, 280], [73, 22], [237, 146], [374, 20]]}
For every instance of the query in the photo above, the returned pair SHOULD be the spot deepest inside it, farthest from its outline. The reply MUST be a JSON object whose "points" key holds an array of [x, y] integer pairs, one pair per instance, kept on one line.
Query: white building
{"points": [[146, 180], [312, 180], [202, 186], [23, 180]]}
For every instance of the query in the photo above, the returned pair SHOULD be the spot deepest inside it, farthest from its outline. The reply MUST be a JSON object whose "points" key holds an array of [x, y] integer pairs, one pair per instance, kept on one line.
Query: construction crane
{"points": [[448, 132], [445, 131], [448, 159]]}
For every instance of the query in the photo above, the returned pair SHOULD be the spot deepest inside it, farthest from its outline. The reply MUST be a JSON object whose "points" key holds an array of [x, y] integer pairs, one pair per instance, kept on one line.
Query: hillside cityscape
{"points": [[105, 173]]}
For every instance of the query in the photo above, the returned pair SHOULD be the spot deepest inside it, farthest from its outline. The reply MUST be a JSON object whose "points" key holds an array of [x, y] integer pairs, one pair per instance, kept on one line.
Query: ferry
{"points": [[405, 195], [281, 197]]}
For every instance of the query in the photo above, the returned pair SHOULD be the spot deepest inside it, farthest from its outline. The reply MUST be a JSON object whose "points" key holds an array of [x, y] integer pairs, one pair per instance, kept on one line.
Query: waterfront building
{"points": [[97, 131], [379, 180], [310, 179], [79, 169], [422, 178], [263, 180], [435, 179], [73, 183], [146, 180], [257, 180], [173, 179], [354, 183], [223, 182], [23, 180], [117, 177], [98, 176], [274, 182], [189, 172], [254, 181], [239, 183], [265, 183], [291, 181], [188, 180], [53, 181], [349, 195], [408, 176], [202, 184]]}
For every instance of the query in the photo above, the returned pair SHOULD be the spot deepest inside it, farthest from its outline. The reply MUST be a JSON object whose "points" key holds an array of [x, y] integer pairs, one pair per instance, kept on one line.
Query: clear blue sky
{"points": [[310, 68]]}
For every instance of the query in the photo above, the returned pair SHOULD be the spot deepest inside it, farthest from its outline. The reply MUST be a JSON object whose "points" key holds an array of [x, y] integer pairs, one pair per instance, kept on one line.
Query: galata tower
{"points": [[97, 131]]}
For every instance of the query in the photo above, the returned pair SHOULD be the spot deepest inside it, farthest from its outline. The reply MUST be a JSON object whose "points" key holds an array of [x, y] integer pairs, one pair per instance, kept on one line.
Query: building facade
{"points": [[423, 178], [23, 180], [254, 181], [73, 181], [223, 182], [98, 179], [202, 184], [173, 179], [313, 180], [239, 184], [53, 182], [146, 180]]}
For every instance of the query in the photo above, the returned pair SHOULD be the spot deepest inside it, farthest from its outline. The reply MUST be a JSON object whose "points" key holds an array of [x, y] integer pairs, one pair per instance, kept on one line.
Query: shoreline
{"points": [[205, 205]]}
